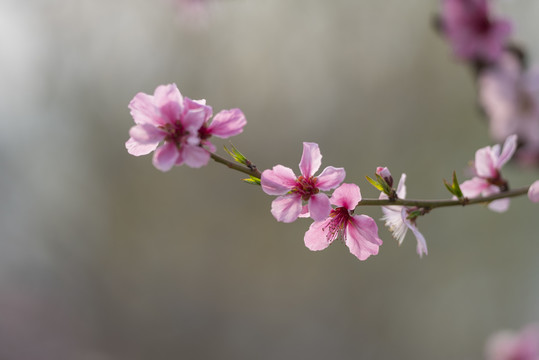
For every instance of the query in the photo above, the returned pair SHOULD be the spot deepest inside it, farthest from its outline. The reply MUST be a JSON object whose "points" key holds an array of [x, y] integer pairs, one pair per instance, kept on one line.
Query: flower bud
{"points": [[533, 192], [384, 173]]}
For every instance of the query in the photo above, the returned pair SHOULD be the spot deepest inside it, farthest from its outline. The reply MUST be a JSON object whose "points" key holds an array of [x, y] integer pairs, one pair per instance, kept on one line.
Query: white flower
{"points": [[396, 219]]}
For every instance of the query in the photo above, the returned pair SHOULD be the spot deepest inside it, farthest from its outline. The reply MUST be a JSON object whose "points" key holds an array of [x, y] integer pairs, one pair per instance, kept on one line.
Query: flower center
{"points": [[175, 133], [306, 187], [203, 132], [482, 24], [337, 225]]}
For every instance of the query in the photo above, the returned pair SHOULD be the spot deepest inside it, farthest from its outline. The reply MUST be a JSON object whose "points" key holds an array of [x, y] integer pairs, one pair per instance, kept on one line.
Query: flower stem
{"points": [[424, 204], [252, 171], [432, 204]]}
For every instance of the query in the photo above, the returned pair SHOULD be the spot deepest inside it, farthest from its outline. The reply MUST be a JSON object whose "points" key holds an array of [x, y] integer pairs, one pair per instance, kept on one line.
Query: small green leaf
{"points": [[236, 155], [375, 183], [413, 214], [252, 180], [456, 186], [449, 187]]}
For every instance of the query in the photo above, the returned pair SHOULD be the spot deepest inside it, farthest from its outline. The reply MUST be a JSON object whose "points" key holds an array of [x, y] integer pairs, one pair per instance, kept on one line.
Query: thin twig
{"points": [[253, 171]]}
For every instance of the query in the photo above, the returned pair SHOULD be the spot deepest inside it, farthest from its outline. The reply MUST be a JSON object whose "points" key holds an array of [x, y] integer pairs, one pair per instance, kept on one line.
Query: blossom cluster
{"points": [[182, 126], [358, 232], [508, 89], [178, 131]]}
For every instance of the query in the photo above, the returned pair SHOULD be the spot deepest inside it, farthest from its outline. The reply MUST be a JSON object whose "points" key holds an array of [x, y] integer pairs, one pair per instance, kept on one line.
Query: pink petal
{"points": [[319, 206], [194, 115], [208, 145], [146, 134], [421, 247], [227, 123], [401, 188], [278, 181], [137, 149], [330, 178], [347, 196], [316, 237], [509, 148], [194, 156], [311, 159], [169, 101], [286, 208], [165, 156], [485, 162], [144, 111], [472, 188], [383, 172], [500, 205], [533, 192], [362, 236], [304, 212]]}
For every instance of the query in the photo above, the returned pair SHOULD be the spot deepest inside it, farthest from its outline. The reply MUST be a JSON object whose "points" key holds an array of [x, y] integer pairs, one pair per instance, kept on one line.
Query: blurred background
{"points": [[103, 257]]}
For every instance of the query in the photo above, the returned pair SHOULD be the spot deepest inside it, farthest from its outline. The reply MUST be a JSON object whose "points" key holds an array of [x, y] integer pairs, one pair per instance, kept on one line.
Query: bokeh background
{"points": [[103, 257]]}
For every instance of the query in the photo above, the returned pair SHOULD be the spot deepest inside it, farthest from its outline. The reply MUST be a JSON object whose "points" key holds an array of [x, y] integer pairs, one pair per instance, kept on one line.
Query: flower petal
{"points": [[286, 208], [500, 205], [421, 247], [347, 196], [401, 188], [509, 148], [278, 181], [362, 236], [194, 156], [165, 156], [533, 192], [319, 206], [485, 162], [143, 110], [330, 178], [137, 149], [316, 237], [394, 218], [472, 188], [194, 115], [311, 159], [227, 123], [169, 101], [304, 212], [146, 134]]}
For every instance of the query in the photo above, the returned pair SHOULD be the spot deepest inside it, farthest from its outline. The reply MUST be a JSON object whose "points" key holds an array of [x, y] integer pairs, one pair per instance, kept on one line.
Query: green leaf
{"points": [[252, 180], [375, 183], [449, 187], [412, 215], [456, 186], [236, 155]]}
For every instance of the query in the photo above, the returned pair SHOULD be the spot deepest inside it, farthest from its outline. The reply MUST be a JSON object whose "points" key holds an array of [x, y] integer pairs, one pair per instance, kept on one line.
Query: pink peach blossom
{"points": [[293, 190], [509, 95], [488, 179], [181, 124], [359, 232], [396, 219], [472, 31], [510, 345], [533, 192]]}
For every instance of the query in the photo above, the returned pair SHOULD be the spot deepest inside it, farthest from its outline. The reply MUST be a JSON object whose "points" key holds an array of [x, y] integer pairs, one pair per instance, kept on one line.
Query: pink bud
{"points": [[533, 192], [384, 173]]}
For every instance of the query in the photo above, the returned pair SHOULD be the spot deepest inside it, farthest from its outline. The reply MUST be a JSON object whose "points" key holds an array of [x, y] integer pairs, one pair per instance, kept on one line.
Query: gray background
{"points": [[104, 257]]}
